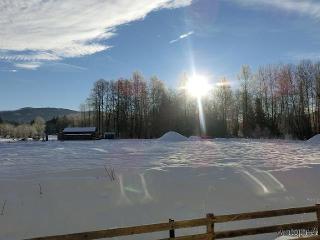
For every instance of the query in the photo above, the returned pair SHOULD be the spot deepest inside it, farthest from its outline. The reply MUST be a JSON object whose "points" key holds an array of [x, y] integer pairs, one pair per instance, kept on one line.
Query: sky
{"points": [[52, 51]]}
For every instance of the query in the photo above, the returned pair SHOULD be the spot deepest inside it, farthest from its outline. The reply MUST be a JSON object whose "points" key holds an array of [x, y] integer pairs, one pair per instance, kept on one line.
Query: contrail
{"points": [[181, 37]]}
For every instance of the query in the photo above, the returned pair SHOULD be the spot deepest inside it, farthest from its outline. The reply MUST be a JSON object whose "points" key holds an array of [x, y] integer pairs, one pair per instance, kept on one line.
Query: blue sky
{"points": [[51, 52]]}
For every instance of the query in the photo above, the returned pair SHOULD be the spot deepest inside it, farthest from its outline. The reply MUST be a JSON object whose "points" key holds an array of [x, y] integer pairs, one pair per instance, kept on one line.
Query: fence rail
{"points": [[209, 222]]}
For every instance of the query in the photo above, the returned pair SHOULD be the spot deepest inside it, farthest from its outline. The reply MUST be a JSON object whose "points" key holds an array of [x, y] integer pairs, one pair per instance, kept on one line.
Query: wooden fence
{"points": [[210, 221]]}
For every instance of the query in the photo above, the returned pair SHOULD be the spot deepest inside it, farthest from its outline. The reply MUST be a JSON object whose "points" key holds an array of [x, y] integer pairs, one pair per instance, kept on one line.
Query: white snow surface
{"points": [[7, 140], [155, 180], [172, 137], [28, 158], [52, 137], [194, 138], [285, 238], [315, 139]]}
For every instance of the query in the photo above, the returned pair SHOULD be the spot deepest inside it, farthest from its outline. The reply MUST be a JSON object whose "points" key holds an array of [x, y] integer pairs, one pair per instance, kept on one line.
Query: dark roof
{"points": [[79, 130]]}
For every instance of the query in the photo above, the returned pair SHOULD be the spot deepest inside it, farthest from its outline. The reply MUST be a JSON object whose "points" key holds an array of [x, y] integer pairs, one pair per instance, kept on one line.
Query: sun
{"points": [[198, 86]]}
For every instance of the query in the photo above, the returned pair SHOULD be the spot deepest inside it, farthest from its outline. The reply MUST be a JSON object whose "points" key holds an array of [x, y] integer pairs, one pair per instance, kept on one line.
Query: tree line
{"points": [[35, 129], [275, 101], [281, 100]]}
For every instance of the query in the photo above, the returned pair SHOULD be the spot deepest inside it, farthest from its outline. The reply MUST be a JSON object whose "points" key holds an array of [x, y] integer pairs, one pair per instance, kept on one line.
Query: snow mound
{"points": [[52, 137], [314, 139], [7, 140], [194, 138], [172, 136]]}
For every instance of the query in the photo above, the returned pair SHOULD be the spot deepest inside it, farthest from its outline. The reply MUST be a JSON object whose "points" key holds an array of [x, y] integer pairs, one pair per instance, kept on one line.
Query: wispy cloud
{"points": [[185, 35], [27, 56], [306, 7], [28, 65], [8, 70], [37, 30], [58, 66]]}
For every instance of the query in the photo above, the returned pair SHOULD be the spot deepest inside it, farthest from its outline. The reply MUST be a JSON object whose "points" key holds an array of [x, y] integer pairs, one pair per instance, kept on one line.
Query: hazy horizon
{"points": [[15, 109]]}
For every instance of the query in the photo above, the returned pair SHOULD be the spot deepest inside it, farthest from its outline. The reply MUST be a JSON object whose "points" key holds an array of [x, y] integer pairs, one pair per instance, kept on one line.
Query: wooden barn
{"points": [[79, 133]]}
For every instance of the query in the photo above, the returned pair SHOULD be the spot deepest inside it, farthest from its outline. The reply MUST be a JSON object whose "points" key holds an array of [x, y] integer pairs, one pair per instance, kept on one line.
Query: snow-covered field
{"points": [[63, 187]]}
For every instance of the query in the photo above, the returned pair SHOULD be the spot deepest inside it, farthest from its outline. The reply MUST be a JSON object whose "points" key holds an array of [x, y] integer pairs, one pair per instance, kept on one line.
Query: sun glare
{"points": [[198, 86]]}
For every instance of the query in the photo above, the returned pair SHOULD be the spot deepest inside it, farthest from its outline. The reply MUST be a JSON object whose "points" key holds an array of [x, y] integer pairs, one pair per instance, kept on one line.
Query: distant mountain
{"points": [[26, 115]]}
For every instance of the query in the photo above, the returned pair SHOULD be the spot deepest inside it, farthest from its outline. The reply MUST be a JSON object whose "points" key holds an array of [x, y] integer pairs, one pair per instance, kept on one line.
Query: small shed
{"points": [[78, 133], [109, 135]]}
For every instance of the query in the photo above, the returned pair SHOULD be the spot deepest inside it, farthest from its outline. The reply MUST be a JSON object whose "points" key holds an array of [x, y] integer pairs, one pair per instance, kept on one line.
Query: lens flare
{"points": [[202, 119], [198, 86]]}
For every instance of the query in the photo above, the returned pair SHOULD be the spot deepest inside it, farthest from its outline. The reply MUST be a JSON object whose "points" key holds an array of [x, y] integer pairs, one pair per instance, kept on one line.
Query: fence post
{"points": [[210, 226], [318, 217], [171, 231]]}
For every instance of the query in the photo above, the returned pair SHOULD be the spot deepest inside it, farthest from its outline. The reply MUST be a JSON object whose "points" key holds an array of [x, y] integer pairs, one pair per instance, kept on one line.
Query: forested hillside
{"points": [[26, 115]]}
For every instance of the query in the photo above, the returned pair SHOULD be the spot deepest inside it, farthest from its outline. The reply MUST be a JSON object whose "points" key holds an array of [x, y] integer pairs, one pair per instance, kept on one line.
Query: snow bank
{"points": [[172, 136], [7, 140], [194, 138], [52, 137], [314, 139]]}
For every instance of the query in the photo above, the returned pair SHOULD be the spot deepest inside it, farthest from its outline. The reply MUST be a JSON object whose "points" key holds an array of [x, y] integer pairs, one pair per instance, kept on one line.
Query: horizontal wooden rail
{"points": [[263, 230], [126, 231], [310, 238], [264, 214], [209, 222]]}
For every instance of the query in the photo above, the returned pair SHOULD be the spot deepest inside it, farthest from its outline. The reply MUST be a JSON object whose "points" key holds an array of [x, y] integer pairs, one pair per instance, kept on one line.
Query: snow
{"points": [[12, 140], [52, 137], [37, 157], [285, 238], [315, 139], [155, 180], [194, 138], [172, 137], [7, 140]]}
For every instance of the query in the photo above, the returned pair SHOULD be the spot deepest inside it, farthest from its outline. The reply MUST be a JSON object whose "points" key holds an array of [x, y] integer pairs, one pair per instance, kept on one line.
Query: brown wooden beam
{"points": [[318, 217], [126, 231], [203, 236], [309, 238], [263, 230], [264, 214]]}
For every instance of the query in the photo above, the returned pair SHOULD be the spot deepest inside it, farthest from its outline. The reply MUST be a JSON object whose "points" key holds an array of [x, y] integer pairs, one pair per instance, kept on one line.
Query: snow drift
{"points": [[7, 140], [194, 138], [172, 136], [314, 139]]}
